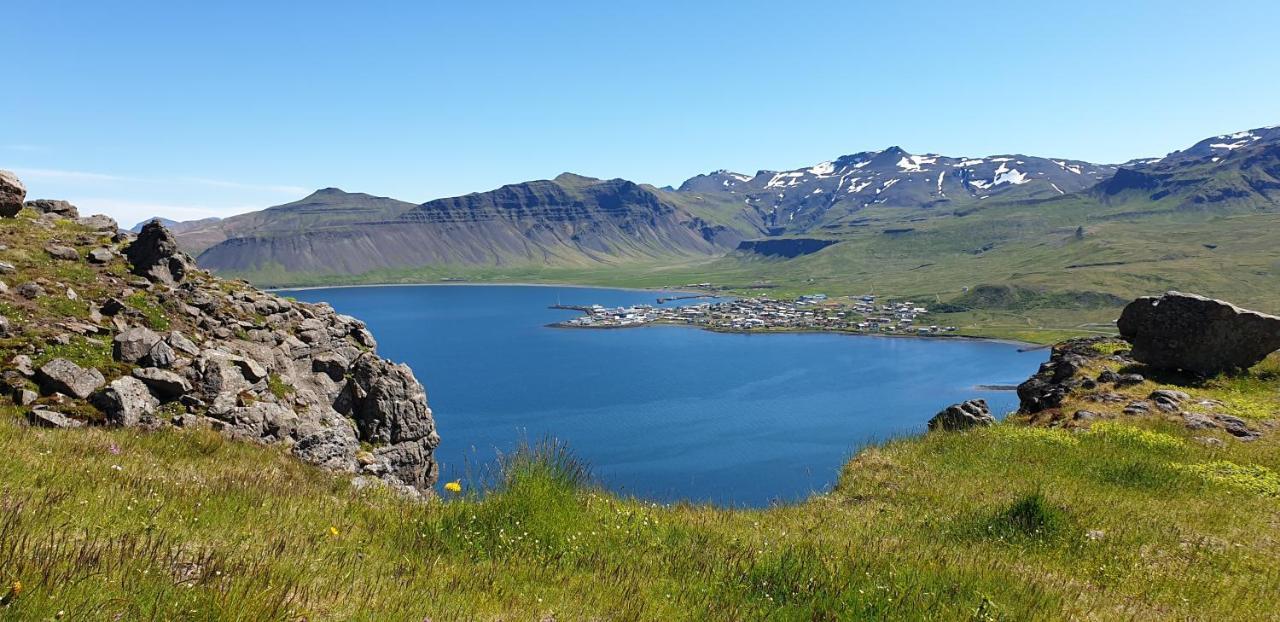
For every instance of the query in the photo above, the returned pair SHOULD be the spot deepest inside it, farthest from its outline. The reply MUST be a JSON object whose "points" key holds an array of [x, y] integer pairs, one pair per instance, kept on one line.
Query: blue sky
{"points": [[193, 109]]}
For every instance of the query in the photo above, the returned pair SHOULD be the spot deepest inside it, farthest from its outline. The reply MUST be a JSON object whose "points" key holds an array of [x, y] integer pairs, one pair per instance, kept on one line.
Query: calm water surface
{"points": [[665, 413]]}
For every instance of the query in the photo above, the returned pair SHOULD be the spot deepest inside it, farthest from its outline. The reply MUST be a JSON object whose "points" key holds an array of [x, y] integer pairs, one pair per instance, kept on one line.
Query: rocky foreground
{"points": [[102, 327], [1173, 349]]}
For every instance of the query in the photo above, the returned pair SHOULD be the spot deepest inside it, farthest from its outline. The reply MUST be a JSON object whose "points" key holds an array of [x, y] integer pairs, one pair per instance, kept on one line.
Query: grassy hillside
{"points": [[1132, 519], [1074, 254]]}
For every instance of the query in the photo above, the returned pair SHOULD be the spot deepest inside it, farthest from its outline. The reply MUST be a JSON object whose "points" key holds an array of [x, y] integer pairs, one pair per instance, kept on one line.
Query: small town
{"points": [[810, 312]]}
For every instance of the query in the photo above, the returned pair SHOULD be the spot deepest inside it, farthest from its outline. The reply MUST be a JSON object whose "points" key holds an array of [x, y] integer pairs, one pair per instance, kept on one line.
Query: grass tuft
{"points": [[1030, 518]]}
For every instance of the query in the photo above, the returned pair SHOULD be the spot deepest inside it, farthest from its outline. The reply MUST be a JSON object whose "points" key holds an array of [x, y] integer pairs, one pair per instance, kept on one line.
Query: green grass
{"points": [[152, 312], [278, 386], [1006, 523]]}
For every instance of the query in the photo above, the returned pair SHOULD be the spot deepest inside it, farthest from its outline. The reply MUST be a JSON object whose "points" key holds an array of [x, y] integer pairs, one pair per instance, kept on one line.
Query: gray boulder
{"points": [[50, 206], [63, 376], [22, 363], [265, 421], [125, 401], [252, 370], [100, 255], [5, 328], [12, 192], [166, 385], [30, 290], [1187, 332], [7, 268], [962, 416], [161, 354], [180, 343], [1168, 400], [58, 251], [134, 344], [219, 376], [100, 223], [156, 256], [52, 419]]}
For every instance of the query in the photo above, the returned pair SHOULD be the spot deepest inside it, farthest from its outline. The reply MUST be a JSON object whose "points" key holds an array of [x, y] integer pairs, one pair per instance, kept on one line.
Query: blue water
{"points": [[662, 412]]}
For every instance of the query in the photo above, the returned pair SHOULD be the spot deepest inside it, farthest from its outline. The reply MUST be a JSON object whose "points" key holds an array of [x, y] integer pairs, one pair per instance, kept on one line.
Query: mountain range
{"points": [[576, 222]]}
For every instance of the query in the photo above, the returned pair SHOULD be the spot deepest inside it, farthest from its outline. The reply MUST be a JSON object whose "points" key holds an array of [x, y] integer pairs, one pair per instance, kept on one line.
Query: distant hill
{"points": [[571, 220], [174, 225]]}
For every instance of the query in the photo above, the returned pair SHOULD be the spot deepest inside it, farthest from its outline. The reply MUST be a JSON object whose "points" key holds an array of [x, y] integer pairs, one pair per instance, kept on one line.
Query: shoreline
{"points": [[476, 284], [1023, 346]]}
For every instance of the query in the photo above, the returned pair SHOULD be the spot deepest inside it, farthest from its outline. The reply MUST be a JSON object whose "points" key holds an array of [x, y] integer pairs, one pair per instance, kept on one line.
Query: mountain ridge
{"points": [[573, 221]]}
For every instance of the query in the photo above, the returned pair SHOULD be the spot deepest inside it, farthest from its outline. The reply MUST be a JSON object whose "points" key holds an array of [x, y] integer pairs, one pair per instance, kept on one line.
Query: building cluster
{"points": [[812, 312]]}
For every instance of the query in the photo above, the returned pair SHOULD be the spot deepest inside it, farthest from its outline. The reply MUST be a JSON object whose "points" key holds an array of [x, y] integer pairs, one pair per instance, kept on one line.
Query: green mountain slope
{"points": [[568, 221]]}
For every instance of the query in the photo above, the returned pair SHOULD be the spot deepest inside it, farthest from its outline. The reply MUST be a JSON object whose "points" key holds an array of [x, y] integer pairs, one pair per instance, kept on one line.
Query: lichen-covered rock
{"points": [[125, 401], [133, 345], [962, 416], [63, 376], [1179, 331], [12, 192], [164, 384], [156, 256]]}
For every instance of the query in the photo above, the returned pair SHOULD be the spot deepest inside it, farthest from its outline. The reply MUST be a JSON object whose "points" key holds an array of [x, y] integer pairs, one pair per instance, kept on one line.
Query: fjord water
{"points": [[663, 412]]}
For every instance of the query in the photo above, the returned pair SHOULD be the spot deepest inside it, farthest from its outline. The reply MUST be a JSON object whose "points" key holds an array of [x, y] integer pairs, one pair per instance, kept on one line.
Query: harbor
{"points": [[863, 314]]}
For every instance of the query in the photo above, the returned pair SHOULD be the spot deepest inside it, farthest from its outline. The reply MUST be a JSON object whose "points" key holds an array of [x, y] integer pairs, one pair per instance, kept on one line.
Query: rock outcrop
{"points": [[1179, 331], [62, 209], [962, 416], [63, 376], [1057, 377], [155, 255], [188, 349], [12, 192]]}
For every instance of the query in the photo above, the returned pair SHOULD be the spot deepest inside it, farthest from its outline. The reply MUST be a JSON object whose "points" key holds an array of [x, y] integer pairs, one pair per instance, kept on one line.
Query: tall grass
{"points": [[989, 524]]}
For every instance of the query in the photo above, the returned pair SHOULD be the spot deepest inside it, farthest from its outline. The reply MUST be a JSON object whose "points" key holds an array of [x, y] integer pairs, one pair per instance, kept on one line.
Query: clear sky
{"points": [[188, 109]]}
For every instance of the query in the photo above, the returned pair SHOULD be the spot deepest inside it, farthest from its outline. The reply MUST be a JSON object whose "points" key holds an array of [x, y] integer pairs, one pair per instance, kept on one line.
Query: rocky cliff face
{"points": [[102, 328]]}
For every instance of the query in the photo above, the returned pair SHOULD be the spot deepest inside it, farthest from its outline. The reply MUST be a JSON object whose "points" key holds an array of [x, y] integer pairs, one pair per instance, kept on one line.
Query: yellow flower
{"points": [[333, 531], [454, 487], [15, 588]]}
